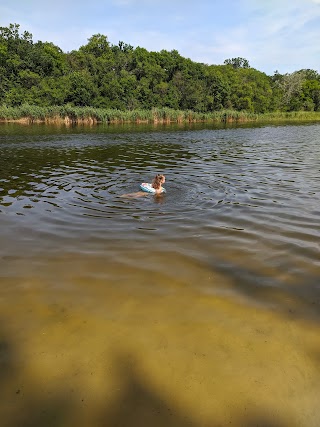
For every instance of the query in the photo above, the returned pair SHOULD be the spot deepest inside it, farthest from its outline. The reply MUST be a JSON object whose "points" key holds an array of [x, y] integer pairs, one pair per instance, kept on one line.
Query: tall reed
{"points": [[72, 114]]}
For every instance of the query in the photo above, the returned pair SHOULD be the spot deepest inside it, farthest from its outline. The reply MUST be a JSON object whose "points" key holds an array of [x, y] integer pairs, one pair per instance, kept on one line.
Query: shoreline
{"points": [[65, 115], [67, 121]]}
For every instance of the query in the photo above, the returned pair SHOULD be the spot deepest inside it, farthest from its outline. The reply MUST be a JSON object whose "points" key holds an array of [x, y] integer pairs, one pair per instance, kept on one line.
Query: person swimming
{"points": [[156, 185]]}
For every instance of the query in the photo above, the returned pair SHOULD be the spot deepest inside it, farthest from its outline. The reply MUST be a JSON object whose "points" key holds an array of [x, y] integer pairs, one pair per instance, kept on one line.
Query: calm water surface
{"points": [[200, 307]]}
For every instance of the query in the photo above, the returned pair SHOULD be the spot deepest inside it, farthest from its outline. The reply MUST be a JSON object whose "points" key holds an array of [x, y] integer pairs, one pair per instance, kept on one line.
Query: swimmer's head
{"points": [[158, 180]]}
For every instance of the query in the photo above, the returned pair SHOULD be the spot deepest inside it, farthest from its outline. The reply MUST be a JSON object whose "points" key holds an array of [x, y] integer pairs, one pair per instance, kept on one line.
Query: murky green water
{"points": [[196, 308]]}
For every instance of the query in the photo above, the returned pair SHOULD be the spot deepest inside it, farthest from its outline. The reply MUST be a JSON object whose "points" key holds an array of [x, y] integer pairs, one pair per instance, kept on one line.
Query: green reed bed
{"points": [[67, 114], [9, 113], [290, 115], [165, 114]]}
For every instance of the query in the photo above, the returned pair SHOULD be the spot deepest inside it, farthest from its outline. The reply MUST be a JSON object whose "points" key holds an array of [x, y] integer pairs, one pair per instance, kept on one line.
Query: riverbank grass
{"points": [[90, 115]]}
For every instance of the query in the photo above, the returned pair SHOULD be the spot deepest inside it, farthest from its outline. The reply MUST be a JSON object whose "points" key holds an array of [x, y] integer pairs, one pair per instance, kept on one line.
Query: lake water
{"points": [[200, 307]]}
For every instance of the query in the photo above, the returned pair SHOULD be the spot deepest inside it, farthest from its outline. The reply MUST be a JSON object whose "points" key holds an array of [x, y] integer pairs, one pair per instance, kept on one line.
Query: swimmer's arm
{"points": [[135, 195]]}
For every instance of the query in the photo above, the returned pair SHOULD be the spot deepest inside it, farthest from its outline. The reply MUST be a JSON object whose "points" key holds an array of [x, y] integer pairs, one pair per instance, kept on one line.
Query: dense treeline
{"points": [[105, 76]]}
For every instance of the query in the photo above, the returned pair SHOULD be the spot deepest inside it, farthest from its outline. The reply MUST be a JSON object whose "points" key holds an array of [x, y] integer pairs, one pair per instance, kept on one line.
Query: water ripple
{"points": [[250, 195]]}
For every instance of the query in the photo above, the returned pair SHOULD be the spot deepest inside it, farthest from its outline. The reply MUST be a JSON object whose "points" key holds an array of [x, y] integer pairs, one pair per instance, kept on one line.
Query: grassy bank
{"points": [[89, 115]]}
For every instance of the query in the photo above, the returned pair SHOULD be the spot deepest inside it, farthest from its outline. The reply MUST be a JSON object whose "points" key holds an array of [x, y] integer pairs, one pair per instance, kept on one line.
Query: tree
{"points": [[120, 76], [217, 87], [237, 62], [81, 90], [311, 95], [290, 86], [97, 45]]}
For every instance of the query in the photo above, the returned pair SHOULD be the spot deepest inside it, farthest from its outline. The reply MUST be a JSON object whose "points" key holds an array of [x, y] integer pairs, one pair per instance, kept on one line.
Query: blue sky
{"points": [[272, 35]]}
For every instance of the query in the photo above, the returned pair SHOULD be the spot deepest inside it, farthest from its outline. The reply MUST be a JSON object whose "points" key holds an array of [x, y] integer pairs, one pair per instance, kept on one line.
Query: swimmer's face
{"points": [[163, 179]]}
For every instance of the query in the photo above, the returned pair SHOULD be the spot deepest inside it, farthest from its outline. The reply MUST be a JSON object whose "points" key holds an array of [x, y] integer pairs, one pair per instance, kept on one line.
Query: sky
{"points": [[273, 35]]}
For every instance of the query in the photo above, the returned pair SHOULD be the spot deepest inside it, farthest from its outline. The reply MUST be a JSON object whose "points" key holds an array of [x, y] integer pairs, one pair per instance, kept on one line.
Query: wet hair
{"points": [[157, 181]]}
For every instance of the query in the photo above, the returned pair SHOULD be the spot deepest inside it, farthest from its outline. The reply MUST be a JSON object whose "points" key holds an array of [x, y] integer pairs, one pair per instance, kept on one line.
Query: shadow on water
{"points": [[135, 404], [139, 405], [20, 405]]}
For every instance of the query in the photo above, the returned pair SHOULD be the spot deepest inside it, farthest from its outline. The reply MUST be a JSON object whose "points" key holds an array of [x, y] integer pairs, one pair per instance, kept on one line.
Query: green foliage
{"points": [[76, 114], [113, 81], [81, 88], [237, 63]]}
